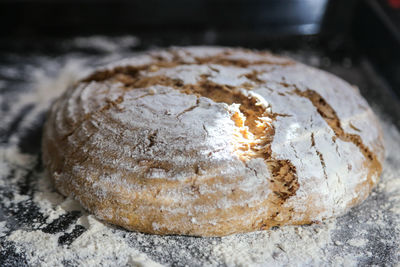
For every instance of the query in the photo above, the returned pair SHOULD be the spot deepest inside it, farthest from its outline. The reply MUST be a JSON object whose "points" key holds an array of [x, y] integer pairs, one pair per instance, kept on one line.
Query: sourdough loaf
{"points": [[210, 141]]}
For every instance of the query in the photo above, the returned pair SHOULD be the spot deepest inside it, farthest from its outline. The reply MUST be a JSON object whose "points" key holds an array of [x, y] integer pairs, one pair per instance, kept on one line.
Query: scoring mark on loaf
{"points": [[109, 103], [321, 157]]}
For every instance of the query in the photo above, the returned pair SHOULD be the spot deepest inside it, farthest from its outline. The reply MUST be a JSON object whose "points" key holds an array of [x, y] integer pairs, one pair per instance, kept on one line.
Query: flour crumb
{"points": [[357, 242]]}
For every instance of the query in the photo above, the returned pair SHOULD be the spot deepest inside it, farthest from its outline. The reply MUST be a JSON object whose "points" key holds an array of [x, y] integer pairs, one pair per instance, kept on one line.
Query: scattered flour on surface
{"points": [[3, 228], [102, 244], [99, 245], [357, 242], [287, 246]]}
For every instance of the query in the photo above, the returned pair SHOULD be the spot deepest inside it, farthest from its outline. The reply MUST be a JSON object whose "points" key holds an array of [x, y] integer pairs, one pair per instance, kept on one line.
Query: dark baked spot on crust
{"points": [[253, 76], [354, 127], [152, 138], [284, 179]]}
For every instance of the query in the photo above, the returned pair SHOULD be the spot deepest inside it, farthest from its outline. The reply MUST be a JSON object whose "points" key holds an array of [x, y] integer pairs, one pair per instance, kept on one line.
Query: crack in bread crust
{"points": [[321, 157], [331, 118], [371, 161], [109, 104]]}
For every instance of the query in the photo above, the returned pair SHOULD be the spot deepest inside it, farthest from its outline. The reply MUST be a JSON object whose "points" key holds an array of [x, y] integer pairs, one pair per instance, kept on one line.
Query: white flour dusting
{"points": [[357, 242], [284, 246], [3, 228], [98, 245], [340, 242]]}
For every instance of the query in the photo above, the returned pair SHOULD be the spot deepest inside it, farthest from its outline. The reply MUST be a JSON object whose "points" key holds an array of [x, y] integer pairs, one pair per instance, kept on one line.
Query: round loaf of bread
{"points": [[210, 141]]}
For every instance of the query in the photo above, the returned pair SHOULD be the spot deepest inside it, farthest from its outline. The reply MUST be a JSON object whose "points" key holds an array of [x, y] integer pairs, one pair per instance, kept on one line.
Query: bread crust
{"points": [[211, 141]]}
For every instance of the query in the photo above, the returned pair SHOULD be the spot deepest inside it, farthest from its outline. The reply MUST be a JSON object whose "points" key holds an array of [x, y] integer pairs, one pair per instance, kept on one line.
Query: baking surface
{"points": [[40, 227]]}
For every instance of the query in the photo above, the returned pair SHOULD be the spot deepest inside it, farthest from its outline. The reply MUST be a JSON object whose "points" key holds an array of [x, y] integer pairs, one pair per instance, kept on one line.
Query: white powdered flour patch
{"points": [[357, 242], [287, 246], [45, 88], [14, 165], [3, 228], [98, 245], [47, 199]]}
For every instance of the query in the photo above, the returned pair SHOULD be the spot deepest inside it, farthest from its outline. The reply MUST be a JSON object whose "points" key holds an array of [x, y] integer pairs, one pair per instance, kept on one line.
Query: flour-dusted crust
{"points": [[211, 141]]}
